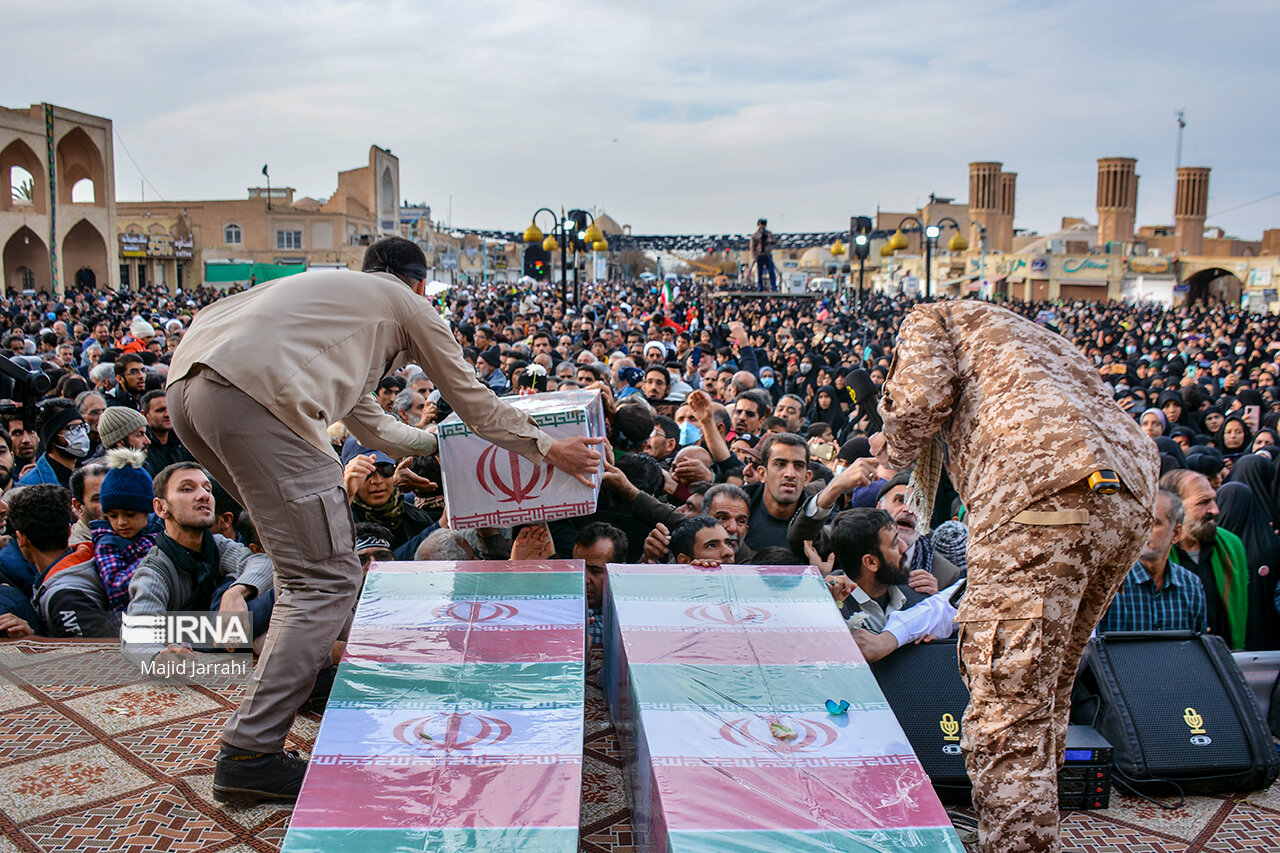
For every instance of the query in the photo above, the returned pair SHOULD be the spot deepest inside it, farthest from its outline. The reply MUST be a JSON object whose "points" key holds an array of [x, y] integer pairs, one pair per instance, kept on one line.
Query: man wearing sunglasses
{"points": [[253, 387], [370, 479]]}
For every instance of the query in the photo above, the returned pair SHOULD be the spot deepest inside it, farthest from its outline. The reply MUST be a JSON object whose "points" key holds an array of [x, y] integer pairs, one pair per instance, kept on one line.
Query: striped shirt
{"points": [[1179, 605]]}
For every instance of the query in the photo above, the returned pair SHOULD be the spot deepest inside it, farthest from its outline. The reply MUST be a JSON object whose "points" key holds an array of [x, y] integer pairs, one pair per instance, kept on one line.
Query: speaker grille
{"points": [[922, 684], [1160, 680]]}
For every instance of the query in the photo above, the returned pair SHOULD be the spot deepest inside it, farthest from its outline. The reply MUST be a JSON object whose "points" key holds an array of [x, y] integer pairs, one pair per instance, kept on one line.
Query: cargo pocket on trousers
{"points": [[316, 508], [1000, 646]]}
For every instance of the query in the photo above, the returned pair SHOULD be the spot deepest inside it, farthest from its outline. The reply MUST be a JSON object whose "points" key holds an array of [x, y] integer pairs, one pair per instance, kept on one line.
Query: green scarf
{"points": [[390, 515], [1231, 573]]}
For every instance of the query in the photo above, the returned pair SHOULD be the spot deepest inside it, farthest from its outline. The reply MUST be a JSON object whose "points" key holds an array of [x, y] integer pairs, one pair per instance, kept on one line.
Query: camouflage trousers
{"points": [[1036, 591]]}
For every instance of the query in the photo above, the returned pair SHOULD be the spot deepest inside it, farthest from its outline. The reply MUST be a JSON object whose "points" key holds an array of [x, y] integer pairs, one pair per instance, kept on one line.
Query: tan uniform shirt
{"points": [[1023, 413], [311, 347]]}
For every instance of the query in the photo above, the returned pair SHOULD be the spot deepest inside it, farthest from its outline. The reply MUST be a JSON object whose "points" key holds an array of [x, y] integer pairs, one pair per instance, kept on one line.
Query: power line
{"points": [[1246, 204], [145, 179]]}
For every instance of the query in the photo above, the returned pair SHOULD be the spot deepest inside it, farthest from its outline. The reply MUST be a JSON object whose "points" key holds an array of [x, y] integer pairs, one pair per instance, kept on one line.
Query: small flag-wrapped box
{"points": [[486, 486]]}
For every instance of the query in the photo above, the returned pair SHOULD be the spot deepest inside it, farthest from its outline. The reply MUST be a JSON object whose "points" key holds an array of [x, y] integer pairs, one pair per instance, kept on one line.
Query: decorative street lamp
{"points": [[533, 234], [590, 236], [931, 233]]}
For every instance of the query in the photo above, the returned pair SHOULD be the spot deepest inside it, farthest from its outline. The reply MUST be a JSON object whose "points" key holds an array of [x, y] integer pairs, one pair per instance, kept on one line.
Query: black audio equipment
{"points": [[1175, 707], [923, 687]]}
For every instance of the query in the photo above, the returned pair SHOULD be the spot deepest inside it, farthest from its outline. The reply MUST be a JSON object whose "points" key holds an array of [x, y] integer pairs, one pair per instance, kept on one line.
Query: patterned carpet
{"points": [[129, 768]]}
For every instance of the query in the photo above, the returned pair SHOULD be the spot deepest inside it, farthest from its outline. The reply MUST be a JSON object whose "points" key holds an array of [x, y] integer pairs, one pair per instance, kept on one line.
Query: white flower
{"points": [[857, 620]]}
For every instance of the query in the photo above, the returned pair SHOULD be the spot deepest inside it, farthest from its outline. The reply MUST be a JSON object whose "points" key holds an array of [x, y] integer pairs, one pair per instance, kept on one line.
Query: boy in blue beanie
{"points": [[130, 528]]}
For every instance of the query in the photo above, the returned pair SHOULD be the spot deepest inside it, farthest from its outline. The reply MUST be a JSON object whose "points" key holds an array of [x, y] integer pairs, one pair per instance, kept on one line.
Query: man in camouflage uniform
{"points": [[1026, 420]]}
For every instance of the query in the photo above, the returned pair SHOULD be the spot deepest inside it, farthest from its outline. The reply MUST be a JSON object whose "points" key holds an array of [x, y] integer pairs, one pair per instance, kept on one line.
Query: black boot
{"points": [[244, 778]]}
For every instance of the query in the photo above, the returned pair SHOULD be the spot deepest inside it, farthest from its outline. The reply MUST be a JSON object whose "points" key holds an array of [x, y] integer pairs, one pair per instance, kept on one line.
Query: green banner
{"points": [[215, 273]]}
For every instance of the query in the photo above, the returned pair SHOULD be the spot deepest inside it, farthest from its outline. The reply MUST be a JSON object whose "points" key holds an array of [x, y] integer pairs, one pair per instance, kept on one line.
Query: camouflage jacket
{"points": [[1022, 412]]}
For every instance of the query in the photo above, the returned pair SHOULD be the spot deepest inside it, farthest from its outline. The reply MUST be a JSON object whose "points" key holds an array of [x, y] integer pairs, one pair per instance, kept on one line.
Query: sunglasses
{"points": [[386, 470]]}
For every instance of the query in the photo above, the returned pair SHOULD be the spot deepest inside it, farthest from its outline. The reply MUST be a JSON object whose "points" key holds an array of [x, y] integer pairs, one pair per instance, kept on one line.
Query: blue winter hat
{"points": [[127, 486]]}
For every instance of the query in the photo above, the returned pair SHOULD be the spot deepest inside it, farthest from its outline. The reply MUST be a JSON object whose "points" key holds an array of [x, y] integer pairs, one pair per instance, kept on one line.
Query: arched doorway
{"points": [[23, 186], [78, 161], [26, 262], [1213, 283], [84, 249], [387, 202]]}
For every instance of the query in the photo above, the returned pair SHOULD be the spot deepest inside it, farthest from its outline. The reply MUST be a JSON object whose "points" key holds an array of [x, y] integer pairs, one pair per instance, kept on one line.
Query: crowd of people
{"points": [[737, 432]]}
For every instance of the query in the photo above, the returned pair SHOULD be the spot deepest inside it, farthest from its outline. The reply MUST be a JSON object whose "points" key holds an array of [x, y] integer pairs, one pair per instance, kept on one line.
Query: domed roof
{"points": [[816, 258], [606, 224]]}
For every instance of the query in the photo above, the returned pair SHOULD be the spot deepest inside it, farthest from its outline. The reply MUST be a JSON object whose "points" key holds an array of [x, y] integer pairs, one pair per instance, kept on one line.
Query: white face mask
{"points": [[77, 442], [805, 367]]}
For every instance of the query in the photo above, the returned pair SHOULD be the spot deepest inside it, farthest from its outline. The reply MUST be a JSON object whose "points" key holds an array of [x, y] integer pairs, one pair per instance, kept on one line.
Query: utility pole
{"points": [[1181, 116]]}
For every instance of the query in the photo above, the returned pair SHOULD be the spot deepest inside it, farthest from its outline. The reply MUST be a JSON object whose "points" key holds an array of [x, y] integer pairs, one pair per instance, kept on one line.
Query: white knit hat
{"points": [[141, 329]]}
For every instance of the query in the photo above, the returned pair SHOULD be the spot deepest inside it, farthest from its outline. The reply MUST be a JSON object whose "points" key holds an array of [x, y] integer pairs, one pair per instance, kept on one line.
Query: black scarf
{"points": [[201, 566]]}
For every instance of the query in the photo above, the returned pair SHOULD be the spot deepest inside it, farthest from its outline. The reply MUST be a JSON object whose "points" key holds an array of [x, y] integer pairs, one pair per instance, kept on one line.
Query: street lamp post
{"points": [[533, 234], [931, 233], [559, 228], [588, 237]]}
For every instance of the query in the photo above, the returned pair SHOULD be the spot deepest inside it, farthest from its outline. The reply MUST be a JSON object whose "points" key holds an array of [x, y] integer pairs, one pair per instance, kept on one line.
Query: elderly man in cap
{"points": [[489, 370], [121, 427], [254, 384]]}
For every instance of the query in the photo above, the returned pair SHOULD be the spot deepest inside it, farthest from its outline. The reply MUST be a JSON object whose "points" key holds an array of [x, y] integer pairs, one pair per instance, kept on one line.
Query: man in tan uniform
{"points": [[253, 385], [1025, 420]]}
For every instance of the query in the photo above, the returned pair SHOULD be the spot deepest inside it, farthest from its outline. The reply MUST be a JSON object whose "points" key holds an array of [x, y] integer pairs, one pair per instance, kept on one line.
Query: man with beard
{"points": [[1215, 554], [1158, 594], [131, 382], [656, 385], [6, 459], [597, 545], [868, 548], [86, 503], [188, 562], [930, 571], [163, 445], [749, 411]]}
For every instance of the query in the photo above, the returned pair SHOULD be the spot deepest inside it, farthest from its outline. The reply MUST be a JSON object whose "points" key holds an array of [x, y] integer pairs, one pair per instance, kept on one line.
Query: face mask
{"points": [[805, 368], [77, 442], [766, 381], [1130, 349], [1241, 350], [1168, 342], [689, 434]]}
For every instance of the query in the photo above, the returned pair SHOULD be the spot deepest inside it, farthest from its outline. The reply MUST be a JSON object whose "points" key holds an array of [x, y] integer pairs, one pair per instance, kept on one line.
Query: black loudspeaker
{"points": [[1175, 707], [923, 687]]}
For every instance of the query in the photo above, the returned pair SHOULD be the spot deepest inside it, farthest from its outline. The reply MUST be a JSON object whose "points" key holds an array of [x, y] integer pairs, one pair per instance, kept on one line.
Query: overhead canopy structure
{"points": [[689, 242]]}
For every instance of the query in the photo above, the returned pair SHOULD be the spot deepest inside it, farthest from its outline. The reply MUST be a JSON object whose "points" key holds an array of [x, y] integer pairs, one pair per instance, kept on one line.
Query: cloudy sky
{"points": [[675, 117]]}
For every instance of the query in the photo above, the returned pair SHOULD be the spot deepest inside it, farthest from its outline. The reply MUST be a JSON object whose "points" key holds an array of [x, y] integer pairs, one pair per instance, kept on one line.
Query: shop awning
{"points": [[952, 282], [224, 273]]}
